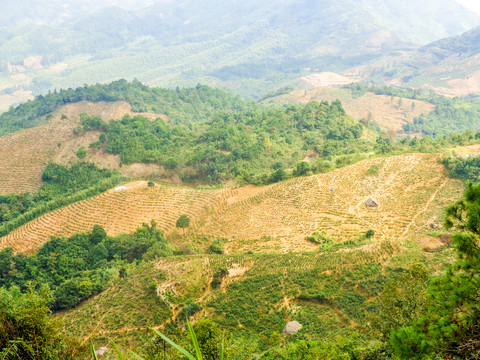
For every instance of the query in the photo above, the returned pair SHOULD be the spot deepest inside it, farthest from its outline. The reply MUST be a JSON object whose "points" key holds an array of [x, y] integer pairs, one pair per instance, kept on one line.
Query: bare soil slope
{"points": [[411, 191], [24, 154], [389, 112], [407, 187], [119, 210]]}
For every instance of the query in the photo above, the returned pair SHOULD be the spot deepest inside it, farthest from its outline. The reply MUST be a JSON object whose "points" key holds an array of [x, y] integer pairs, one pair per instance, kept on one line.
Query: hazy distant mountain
{"points": [[450, 66], [168, 42]]}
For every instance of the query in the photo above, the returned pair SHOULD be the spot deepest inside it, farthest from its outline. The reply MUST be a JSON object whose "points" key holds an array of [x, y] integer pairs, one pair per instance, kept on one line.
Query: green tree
{"points": [[81, 153], [183, 222], [404, 298], [27, 330], [209, 338], [277, 175], [450, 326], [97, 235], [302, 168]]}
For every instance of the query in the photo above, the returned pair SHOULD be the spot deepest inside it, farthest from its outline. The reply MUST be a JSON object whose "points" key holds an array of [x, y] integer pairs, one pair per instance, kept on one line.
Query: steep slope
{"points": [[24, 154], [411, 190]]}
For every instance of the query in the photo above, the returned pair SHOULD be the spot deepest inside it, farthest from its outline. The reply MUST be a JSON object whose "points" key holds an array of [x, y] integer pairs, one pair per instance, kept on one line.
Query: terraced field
{"points": [[411, 191], [389, 112], [120, 210], [24, 154], [407, 188]]}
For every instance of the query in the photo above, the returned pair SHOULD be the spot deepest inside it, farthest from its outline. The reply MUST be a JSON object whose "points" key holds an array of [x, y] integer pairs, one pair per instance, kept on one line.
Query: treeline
{"points": [[450, 114], [78, 267], [258, 146], [61, 186], [466, 169], [249, 145], [180, 105]]}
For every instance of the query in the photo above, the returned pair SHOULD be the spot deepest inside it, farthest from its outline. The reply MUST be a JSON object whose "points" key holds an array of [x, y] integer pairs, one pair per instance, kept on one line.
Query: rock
{"points": [[101, 351], [292, 327]]}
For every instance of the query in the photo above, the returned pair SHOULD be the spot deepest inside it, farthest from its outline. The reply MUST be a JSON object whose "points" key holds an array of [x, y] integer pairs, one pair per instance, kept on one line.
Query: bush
{"points": [[320, 238], [81, 153], [217, 246]]}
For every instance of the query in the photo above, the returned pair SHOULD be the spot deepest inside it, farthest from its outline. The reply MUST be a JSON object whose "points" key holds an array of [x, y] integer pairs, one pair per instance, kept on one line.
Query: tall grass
{"points": [[193, 337]]}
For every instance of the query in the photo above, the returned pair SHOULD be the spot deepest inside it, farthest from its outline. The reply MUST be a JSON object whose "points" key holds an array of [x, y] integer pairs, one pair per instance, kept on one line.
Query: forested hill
{"points": [[210, 134], [180, 105], [251, 46]]}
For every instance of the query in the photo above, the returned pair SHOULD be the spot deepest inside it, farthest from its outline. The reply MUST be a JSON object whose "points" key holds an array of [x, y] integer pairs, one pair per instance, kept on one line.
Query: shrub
{"points": [[81, 153]]}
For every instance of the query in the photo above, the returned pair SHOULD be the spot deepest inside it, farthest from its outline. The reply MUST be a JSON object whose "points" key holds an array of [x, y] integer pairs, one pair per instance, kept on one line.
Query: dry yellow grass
{"points": [[280, 216], [389, 112], [24, 154], [410, 189], [119, 210]]}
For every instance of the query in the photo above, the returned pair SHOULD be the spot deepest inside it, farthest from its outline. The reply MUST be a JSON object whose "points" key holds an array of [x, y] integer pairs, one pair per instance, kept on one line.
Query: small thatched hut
{"points": [[371, 202]]}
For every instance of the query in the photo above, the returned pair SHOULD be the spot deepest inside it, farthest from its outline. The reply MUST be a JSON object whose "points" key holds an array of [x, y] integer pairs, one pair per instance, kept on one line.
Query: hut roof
{"points": [[371, 202]]}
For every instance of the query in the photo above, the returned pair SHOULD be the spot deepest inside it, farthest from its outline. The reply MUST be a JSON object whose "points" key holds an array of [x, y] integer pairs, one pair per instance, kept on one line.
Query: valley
{"points": [[239, 180]]}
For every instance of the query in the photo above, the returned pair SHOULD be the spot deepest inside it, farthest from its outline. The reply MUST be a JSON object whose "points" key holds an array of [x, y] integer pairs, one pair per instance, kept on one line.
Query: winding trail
{"points": [[422, 210]]}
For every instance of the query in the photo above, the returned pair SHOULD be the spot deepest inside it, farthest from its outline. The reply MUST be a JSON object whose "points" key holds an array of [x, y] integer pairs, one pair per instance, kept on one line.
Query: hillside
{"points": [[411, 191], [390, 112], [26, 153], [248, 46], [280, 288], [449, 66]]}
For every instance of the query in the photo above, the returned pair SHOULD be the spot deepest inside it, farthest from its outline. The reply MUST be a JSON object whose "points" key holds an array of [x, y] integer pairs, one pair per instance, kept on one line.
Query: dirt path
{"points": [[355, 212], [422, 210]]}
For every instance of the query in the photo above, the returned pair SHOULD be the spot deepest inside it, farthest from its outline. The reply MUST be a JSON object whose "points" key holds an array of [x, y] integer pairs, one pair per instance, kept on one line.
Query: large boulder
{"points": [[292, 327]]}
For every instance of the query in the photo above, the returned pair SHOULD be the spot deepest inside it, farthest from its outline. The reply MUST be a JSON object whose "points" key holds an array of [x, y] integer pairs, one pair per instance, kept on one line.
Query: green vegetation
{"points": [[320, 238], [241, 144], [61, 186], [449, 324], [451, 115], [180, 105], [466, 169], [27, 330], [183, 222], [357, 299], [81, 266]]}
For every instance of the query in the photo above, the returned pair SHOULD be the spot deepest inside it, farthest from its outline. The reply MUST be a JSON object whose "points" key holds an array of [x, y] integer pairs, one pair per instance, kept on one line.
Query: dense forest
{"points": [[78, 267], [240, 144]]}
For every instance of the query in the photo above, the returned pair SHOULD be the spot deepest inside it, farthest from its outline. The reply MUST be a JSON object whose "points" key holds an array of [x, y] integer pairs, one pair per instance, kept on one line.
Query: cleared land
{"points": [[391, 113], [407, 187], [328, 79], [24, 154], [274, 218], [119, 210]]}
